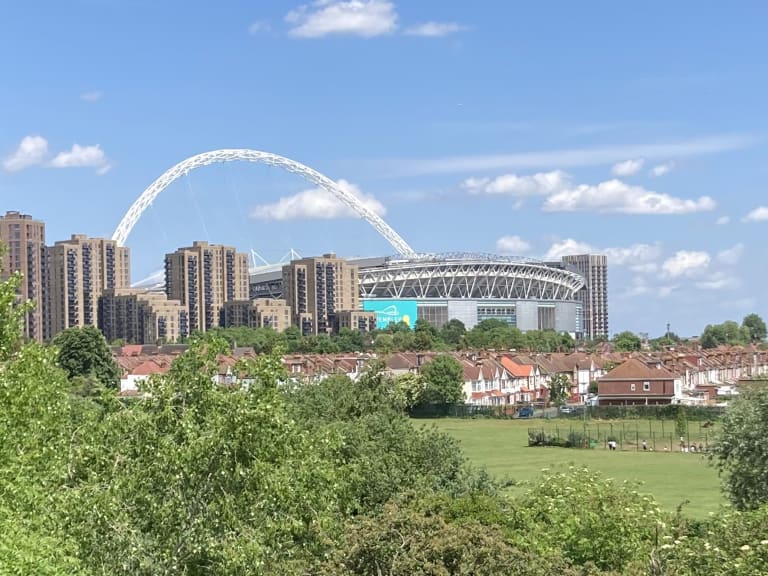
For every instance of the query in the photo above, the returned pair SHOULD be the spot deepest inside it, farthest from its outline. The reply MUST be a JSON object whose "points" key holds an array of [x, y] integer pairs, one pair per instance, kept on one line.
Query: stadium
{"points": [[470, 287]]}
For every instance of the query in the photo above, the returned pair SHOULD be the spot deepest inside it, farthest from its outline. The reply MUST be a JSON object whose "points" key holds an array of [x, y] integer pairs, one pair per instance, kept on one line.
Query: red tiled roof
{"points": [[517, 370], [147, 368], [635, 369]]}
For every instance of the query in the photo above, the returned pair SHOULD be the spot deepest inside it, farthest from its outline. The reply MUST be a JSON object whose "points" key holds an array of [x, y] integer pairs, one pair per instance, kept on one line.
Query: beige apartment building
{"points": [[79, 271], [142, 317], [354, 320], [203, 277], [317, 289], [260, 313], [24, 240]]}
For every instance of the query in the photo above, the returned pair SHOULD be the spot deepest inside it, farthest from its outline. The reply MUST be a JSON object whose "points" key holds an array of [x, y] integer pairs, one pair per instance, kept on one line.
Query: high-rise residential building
{"points": [[594, 295], [318, 288], [79, 270], [141, 317], [24, 239], [259, 313], [203, 277]]}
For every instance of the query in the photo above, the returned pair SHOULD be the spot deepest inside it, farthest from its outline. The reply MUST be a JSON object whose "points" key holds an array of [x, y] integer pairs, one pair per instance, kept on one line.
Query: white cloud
{"points": [[434, 29], [719, 282], [723, 220], [662, 169], [258, 26], [644, 268], [759, 214], [365, 18], [32, 150], [665, 291], [639, 257], [514, 185], [686, 263], [316, 204], [732, 255], [617, 196], [568, 247], [512, 245], [628, 167], [93, 96], [82, 157], [568, 158]]}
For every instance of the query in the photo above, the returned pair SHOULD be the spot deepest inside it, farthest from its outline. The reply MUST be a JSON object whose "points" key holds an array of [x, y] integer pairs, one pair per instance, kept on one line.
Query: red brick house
{"points": [[635, 382]]}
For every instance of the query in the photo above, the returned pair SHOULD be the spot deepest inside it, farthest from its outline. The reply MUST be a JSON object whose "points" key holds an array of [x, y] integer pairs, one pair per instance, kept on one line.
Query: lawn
{"points": [[672, 477]]}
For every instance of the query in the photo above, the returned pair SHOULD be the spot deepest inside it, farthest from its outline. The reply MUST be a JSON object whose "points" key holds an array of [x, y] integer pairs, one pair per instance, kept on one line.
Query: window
{"points": [[646, 386], [632, 387]]}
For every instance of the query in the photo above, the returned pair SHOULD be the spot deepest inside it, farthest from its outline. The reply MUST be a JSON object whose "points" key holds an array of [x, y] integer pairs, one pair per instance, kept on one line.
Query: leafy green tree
{"points": [[403, 541], [404, 340], [350, 340], [729, 332], [591, 520], [444, 381], [425, 335], [627, 342], [409, 389], [755, 327], [84, 352], [740, 451], [384, 343], [452, 332], [713, 336], [35, 431], [559, 388]]}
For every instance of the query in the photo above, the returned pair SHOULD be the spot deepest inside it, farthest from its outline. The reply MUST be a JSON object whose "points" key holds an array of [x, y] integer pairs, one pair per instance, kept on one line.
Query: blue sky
{"points": [[539, 129]]}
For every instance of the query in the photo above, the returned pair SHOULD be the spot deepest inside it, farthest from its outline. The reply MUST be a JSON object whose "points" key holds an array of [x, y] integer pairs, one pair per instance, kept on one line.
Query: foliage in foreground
{"points": [[741, 452], [326, 479]]}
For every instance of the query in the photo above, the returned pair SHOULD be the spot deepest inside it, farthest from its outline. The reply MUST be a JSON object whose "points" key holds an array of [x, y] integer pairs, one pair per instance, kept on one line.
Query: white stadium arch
{"points": [[245, 155]]}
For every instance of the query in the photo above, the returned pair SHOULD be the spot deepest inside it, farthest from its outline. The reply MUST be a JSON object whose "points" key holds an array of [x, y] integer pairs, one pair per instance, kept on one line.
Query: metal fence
{"points": [[653, 435]]}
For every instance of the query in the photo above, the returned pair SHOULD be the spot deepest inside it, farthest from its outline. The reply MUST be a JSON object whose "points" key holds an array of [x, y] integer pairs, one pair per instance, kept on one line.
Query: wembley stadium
{"points": [[471, 287]]}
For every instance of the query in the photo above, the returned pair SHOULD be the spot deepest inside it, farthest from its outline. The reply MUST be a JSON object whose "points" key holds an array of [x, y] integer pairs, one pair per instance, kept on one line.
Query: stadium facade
{"points": [[526, 293]]}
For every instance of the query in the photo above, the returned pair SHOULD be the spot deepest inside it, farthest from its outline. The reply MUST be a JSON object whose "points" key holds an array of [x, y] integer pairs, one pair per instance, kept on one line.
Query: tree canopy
{"points": [[444, 379], [741, 452], [83, 352]]}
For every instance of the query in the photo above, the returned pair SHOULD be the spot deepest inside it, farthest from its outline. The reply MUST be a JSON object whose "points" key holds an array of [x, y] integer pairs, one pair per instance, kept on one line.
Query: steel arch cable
{"points": [[133, 214]]}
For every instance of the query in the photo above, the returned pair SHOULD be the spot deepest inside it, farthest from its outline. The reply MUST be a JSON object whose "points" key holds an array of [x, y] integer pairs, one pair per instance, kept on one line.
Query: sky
{"points": [[537, 129]]}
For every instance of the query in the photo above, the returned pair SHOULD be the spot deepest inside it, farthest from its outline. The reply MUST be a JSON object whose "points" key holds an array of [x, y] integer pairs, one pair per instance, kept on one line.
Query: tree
{"points": [[559, 388], [755, 326], [452, 332], [424, 335], [84, 352], [627, 342], [740, 451], [444, 381]]}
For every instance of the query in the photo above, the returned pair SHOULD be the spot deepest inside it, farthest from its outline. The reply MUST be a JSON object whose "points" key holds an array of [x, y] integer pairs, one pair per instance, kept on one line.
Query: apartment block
{"points": [[260, 313], [24, 240], [354, 320], [317, 289], [594, 295], [203, 277], [79, 271], [141, 317]]}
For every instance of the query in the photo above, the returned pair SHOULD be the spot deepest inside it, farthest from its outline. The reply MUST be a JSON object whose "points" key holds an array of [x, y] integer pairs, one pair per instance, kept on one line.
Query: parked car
{"points": [[525, 412], [565, 409]]}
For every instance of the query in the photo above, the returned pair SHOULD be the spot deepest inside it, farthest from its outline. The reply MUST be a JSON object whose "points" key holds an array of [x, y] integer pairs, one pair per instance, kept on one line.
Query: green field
{"points": [[672, 477]]}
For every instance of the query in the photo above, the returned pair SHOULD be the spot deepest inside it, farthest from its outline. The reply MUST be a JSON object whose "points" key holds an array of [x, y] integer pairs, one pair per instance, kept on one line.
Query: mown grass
{"points": [[672, 477]]}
